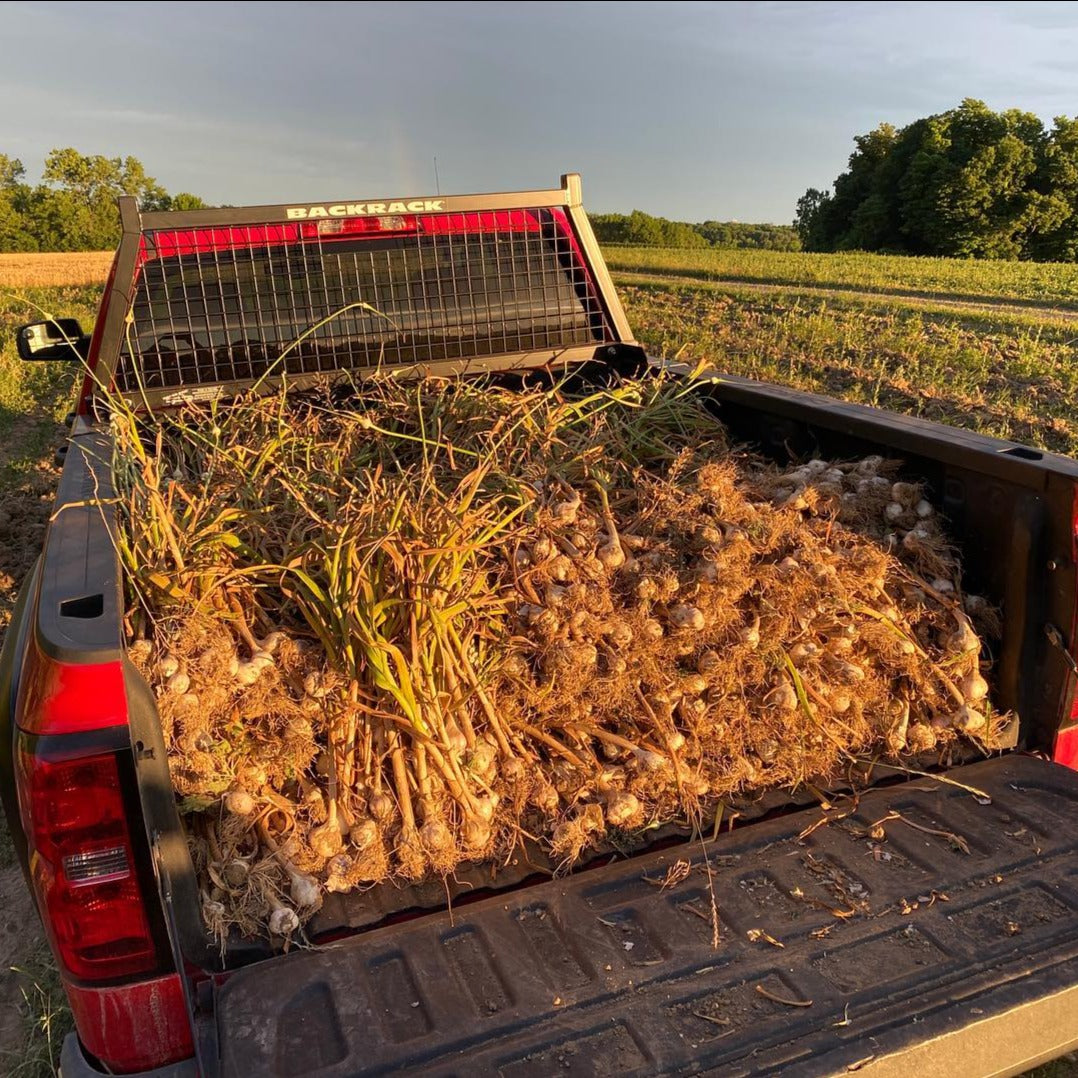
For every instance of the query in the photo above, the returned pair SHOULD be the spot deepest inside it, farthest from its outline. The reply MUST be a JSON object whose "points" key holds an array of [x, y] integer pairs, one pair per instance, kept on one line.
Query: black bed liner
{"points": [[904, 944]]}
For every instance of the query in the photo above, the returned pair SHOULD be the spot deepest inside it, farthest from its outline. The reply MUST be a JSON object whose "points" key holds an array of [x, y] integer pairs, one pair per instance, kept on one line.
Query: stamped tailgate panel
{"points": [[949, 929]]}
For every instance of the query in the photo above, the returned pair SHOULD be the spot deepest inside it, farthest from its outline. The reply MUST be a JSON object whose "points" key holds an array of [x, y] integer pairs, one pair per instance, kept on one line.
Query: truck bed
{"points": [[947, 976], [837, 950], [1010, 515]]}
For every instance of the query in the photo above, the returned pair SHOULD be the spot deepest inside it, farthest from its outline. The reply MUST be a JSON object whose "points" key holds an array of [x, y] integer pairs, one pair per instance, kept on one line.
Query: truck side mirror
{"points": [[59, 338]]}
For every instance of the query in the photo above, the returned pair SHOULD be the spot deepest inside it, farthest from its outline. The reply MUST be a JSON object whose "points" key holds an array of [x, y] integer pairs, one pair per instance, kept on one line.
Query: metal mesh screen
{"points": [[229, 304]]}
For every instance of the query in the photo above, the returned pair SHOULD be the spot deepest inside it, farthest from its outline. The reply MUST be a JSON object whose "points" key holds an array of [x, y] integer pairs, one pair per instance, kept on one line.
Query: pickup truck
{"points": [[928, 924]]}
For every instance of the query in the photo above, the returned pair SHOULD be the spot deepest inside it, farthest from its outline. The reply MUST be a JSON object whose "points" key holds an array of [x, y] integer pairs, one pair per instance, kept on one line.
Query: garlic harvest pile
{"points": [[398, 633]]}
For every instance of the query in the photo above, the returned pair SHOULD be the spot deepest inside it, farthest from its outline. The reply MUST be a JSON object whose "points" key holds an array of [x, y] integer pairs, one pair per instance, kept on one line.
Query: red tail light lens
{"points": [[82, 865], [1065, 749]]}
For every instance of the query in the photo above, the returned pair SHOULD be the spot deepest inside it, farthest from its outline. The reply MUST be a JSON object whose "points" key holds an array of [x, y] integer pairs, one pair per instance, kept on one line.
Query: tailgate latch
{"points": [[1055, 638]]}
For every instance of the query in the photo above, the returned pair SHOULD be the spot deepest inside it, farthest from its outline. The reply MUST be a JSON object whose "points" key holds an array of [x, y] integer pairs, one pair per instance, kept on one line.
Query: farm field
{"points": [[988, 346], [1019, 283], [54, 269], [999, 373]]}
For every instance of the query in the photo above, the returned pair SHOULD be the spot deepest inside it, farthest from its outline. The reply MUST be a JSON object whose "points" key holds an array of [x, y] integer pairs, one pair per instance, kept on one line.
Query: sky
{"points": [[693, 111]]}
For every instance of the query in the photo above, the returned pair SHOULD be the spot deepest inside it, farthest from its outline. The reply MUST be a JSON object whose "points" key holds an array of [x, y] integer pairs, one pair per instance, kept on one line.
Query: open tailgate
{"points": [[921, 930]]}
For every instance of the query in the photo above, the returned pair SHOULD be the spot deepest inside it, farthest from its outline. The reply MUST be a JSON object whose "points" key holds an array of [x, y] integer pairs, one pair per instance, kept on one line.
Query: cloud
{"points": [[692, 110]]}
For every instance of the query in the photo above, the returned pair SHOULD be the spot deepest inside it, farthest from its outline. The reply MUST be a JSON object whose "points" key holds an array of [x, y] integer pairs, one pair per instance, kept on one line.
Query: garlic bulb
{"points": [[750, 634], [974, 688], [803, 653], [610, 554], [271, 642], [969, 720], [904, 493], [783, 697], [139, 650], [646, 589], [325, 839], [364, 834], [693, 684], [840, 701], [380, 806], [675, 742], [314, 685], [435, 835], [850, 673], [283, 921], [621, 808], [709, 663], [247, 673], [304, 891], [689, 618], [235, 873], [477, 834], [179, 683], [565, 512], [239, 802], [963, 639], [542, 549], [167, 665]]}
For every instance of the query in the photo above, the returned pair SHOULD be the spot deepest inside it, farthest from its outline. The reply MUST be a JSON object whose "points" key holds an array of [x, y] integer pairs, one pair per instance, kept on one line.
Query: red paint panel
{"points": [[133, 1027], [208, 240], [1074, 619], [89, 383], [68, 698], [239, 237], [1065, 749]]}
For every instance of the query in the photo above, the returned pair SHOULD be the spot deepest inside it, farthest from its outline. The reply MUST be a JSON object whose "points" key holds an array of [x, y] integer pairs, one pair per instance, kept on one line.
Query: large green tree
{"points": [[184, 201], [73, 208], [968, 183], [1057, 184], [14, 194]]}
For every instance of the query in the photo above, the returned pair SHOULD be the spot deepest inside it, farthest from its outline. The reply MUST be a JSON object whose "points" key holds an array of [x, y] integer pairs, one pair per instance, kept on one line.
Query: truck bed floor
{"points": [[944, 939]]}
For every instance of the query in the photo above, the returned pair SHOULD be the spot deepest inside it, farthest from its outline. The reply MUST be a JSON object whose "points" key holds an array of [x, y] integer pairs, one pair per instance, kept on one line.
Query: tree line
{"points": [[643, 230], [73, 207], [967, 183]]}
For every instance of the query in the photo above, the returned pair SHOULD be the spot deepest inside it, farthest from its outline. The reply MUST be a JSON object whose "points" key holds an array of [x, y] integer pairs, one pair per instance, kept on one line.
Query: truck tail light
{"points": [[1065, 749], [82, 865], [74, 779]]}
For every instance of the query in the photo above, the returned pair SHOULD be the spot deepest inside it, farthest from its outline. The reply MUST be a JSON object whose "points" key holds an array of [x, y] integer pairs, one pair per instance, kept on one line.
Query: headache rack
{"points": [[206, 302]]}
